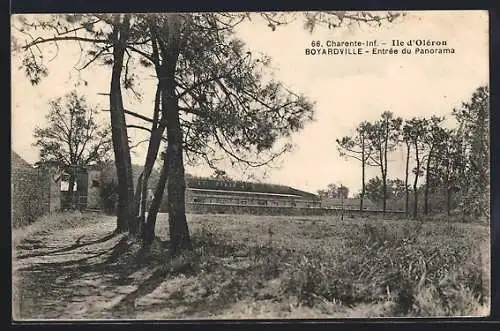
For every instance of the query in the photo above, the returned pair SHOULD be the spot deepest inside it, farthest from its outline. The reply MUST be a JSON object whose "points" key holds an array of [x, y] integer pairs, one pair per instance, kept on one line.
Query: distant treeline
{"points": [[446, 168]]}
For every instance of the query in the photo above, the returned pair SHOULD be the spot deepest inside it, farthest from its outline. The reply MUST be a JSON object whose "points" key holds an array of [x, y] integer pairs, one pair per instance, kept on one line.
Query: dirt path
{"points": [[62, 274]]}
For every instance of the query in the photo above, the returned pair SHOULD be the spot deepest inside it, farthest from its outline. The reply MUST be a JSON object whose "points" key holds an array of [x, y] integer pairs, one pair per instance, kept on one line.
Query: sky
{"points": [[346, 89]]}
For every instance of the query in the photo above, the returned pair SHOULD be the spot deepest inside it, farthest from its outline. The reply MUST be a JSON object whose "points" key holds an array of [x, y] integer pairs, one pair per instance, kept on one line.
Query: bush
{"points": [[381, 264]]}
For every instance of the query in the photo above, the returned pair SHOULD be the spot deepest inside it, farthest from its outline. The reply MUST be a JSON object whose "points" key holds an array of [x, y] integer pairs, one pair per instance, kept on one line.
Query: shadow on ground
{"points": [[112, 276]]}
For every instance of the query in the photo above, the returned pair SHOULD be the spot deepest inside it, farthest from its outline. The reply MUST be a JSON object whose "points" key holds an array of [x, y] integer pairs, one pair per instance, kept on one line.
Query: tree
{"points": [[374, 190], [211, 76], [449, 165], [384, 137], [433, 136], [406, 138], [180, 39], [72, 139], [107, 38], [416, 129], [359, 148], [473, 119], [334, 191], [397, 188], [343, 191], [216, 103]]}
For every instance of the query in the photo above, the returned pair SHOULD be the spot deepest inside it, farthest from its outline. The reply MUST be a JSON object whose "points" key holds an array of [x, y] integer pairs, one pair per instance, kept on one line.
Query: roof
{"points": [[247, 187], [17, 162], [242, 192]]}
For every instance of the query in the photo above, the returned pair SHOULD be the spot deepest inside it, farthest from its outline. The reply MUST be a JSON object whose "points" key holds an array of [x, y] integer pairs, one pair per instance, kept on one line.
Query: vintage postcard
{"points": [[260, 165]]}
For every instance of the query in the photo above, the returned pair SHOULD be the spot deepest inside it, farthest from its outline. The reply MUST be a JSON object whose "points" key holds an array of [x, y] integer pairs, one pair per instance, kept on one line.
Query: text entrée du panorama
{"points": [[377, 47]]}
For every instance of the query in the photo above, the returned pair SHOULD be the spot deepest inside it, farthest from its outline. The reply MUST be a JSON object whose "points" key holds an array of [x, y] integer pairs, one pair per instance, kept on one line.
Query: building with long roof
{"points": [[205, 191]]}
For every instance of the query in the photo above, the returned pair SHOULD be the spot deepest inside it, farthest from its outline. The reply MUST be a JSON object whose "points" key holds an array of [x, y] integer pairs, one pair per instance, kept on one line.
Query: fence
{"points": [[205, 208]]}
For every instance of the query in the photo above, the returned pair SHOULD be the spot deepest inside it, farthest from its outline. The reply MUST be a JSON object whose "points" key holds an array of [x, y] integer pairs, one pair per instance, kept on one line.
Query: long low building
{"points": [[201, 191]]}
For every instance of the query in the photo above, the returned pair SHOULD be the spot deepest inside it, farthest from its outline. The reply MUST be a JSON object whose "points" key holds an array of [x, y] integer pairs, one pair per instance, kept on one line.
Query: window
{"points": [[262, 203], [243, 202], [95, 183]]}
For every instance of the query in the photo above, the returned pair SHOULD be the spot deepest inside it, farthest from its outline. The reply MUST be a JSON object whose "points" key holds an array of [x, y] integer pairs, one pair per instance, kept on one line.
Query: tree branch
{"points": [[131, 113]]}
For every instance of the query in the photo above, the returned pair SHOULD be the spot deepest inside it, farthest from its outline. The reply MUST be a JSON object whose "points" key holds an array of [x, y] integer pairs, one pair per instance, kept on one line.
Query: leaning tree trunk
{"points": [[157, 129], [149, 227], [153, 148], [174, 163], [119, 134], [152, 153]]}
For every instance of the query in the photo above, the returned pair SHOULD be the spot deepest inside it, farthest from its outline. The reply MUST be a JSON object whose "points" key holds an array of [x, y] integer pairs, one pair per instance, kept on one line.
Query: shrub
{"points": [[382, 264]]}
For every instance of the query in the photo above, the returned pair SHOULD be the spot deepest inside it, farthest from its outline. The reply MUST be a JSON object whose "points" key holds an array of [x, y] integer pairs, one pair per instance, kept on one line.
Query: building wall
{"points": [[194, 208], [211, 199], [34, 192], [248, 199]]}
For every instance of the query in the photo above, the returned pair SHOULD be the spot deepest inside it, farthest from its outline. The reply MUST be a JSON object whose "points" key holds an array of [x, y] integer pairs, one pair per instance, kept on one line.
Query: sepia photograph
{"points": [[250, 165]]}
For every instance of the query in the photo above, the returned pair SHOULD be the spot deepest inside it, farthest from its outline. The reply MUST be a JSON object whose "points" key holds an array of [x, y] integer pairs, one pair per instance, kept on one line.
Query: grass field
{"points": [[71, 266]]}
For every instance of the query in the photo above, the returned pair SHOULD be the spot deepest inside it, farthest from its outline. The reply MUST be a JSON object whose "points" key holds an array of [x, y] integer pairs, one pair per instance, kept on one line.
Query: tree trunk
{"points": [[71, 187], [384, 169], [407, 190], [138, 198], [447, 185], [119, 134], [149, 227], [427, 177], [176, 185], [384, 188], [179, 232], [174, 163], [363, 188], [153, 148], [415, 182], [152, 153]]}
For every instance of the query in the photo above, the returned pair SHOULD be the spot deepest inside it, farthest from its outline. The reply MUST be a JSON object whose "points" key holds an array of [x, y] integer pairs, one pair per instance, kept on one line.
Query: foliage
{"points": [[72, 137], [334, 191], [374, 189], [454, 162], [384, 137], [473, 119]]}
